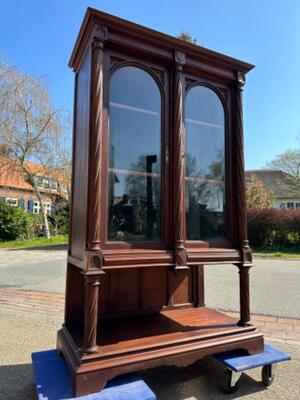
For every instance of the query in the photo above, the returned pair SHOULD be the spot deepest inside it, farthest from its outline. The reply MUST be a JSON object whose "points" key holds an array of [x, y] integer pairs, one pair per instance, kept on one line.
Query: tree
{"points": [[184, 35], [31, 129], [256, 194], [288, 162]]}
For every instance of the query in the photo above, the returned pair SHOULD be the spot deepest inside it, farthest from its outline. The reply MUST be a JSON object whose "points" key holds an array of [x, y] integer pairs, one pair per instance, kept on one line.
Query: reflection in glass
{"points": [[134, 156], [204, 165]]}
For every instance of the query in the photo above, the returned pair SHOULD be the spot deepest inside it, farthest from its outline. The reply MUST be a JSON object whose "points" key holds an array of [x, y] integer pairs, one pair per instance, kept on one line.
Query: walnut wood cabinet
{"points": [[157, 192]]}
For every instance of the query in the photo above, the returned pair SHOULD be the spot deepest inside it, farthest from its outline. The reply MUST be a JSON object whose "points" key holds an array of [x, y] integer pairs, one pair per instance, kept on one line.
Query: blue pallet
{"points": [[237, 361], [53, 382]]}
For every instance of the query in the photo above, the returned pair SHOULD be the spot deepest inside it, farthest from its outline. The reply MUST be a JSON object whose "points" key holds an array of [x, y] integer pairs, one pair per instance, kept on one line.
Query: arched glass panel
{"points": [[134, 156], [204, 165]]}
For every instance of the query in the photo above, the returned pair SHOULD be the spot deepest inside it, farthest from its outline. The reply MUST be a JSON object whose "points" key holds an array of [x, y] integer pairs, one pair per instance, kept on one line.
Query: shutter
{"points": [[30, 206]]}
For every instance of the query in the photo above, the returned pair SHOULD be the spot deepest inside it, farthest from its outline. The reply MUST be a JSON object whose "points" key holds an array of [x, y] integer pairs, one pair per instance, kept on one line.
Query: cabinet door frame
{"points": [[114, 61], [223, 92]]}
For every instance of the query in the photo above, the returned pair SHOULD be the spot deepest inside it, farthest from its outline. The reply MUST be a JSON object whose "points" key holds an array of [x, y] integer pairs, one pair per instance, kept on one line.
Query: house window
{"points": [[11, 202], [37, 208], [53, 184], [290, 205], [297, 205]]}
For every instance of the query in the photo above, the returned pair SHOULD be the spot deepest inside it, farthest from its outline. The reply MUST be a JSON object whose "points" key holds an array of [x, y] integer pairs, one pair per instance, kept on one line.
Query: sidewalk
{"points": [[51, 307], [29, 322]]}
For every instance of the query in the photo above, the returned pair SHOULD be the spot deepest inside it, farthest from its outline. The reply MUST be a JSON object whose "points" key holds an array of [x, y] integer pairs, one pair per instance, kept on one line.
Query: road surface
{"points": [[275, 283]]}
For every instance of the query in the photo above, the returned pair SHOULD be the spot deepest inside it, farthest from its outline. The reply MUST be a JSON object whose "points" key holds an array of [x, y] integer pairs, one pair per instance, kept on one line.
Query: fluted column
{"points": [[95, 145], [90, 313], [246, 254], [179, 212]]}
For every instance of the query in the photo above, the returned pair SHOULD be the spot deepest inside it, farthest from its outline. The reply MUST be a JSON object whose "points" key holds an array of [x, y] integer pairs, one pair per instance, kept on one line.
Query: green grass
{"points": [[36, 242], [279, 252]]}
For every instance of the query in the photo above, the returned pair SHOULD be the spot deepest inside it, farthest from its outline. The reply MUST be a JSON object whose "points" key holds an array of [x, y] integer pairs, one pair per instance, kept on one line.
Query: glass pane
{"points": [[134, 156], [204, 165]]}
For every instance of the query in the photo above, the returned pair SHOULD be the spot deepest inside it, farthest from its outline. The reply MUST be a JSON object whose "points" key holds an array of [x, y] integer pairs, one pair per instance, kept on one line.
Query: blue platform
{"points": [[237, 361], [53, 382]]}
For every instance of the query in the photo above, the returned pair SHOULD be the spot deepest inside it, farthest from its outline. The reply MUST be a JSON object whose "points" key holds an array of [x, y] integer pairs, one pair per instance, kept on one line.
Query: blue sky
{"points": [[38, 36]]}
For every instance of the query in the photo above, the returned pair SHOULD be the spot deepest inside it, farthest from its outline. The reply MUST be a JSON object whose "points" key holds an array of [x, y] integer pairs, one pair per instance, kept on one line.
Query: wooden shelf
{"points": [[162, 329]]}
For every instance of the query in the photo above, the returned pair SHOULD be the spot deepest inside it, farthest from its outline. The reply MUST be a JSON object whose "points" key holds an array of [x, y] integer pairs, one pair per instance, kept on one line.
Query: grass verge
{"points": [[37, 242], [287, 252]]}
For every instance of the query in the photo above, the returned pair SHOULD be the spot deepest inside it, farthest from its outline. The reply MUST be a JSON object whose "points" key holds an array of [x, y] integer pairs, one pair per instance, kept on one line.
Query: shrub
{"points": [[59, 218], [14, 222], [272, 227]]}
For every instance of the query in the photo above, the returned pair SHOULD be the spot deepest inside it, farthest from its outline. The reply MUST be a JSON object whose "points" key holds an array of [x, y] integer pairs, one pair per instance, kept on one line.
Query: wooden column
{"points": [[244, 294], [198, 285], [179, 211], [95, 143], [91, 283], [246, 254]]}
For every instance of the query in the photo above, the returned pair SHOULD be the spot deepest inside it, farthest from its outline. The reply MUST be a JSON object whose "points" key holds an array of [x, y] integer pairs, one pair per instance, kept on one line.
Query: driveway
{"points": [[274, 283]]}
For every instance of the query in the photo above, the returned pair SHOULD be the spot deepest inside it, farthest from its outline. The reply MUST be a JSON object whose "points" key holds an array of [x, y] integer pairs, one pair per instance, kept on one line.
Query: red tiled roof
{"points": [[11, 174]]}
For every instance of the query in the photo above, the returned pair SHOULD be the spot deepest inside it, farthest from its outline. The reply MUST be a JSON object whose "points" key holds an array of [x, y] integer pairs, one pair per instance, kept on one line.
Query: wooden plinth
{"points": [[173, 337]]}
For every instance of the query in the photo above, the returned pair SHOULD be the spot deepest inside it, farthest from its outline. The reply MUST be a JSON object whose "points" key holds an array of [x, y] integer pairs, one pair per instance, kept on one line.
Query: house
{"points": [[17, 192], [285, 190]]}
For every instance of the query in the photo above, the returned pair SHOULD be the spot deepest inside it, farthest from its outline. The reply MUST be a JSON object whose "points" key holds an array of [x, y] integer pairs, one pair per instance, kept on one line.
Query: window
{"points": [[134, 156], [204, 165], [39, 181], [37, 208], [11, 202], [53, 184], [290, 204], [297, 205]]}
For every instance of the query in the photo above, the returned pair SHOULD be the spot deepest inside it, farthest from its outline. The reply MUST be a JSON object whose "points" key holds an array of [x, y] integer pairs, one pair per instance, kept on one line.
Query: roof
{"points": [[281, 184], [11, 174], [166, 43]]}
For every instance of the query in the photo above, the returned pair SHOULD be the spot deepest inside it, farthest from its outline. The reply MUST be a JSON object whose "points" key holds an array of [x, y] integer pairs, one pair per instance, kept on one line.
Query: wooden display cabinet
{"points": [[158, 191]]}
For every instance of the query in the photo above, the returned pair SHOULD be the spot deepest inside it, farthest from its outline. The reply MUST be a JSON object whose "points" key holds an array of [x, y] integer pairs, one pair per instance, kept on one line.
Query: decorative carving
{"points": [[95, 262], [179, 217], [241, 78], [160, 74], [95, 145], [180, 57], [90, 313], [114, 61], [101, 33], [224, 92], [189, 82], [240, 176], [246, 253]]}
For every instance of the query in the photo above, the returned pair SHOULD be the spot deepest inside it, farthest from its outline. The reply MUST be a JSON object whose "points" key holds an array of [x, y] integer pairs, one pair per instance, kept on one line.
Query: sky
{"points": [[39, 35]]}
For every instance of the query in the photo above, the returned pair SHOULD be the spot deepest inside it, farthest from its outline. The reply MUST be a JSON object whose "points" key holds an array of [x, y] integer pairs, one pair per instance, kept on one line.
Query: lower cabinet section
{"points": [[171, 337]]}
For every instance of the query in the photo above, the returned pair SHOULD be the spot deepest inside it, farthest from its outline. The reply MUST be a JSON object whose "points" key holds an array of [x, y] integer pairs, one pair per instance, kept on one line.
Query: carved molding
{"points": [[160, 74], [114, 61], [224, 92], [189, 82], [179, 212], [240, 176], [180, 57], [95, 145], [90, 313]]}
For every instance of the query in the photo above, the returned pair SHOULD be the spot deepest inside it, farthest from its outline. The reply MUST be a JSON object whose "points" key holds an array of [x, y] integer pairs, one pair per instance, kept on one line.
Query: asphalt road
{"points": [[274, 283]]}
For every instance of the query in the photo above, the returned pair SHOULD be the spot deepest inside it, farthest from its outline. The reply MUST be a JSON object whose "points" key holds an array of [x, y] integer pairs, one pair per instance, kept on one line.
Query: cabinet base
{"points": [[174, 337]]}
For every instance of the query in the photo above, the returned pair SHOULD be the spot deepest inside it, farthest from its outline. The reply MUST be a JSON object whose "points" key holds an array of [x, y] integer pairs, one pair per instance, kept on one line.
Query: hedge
{"points": [[14, 222], [273, 227]]}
